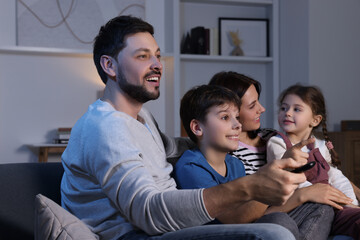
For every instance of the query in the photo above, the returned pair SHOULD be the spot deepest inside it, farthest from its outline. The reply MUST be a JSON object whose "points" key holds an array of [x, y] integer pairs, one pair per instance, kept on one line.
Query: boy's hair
{"points": [[239, 83], [312, 96], [197, 102], [111, 38]]}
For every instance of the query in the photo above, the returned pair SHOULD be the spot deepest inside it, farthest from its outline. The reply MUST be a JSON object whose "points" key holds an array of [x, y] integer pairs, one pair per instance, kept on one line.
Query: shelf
{"points": [[193, 57], [183, 71], [232, 2], [45, 51]]}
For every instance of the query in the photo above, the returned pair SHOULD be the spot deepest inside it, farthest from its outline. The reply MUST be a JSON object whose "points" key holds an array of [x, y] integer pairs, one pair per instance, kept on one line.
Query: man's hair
{"points": [[197, 102], [111, 38]]}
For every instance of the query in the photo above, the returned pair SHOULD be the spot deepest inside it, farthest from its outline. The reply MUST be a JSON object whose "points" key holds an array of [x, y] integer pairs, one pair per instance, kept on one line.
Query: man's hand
{"points": [[273, 185], [295, 151]]}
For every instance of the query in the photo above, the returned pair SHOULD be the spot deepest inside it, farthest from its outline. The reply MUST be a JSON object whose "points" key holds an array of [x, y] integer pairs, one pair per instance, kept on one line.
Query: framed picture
{"points": [[243, 37]]}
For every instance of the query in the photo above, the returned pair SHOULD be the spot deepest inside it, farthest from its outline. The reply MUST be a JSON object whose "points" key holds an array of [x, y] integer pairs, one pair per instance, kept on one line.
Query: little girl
{"points": [[302, 109]]}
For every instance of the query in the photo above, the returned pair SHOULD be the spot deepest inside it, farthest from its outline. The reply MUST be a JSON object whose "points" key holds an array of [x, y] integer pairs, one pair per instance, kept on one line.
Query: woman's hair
{"points": [[312, 96], [196, 104], [238, 83]]}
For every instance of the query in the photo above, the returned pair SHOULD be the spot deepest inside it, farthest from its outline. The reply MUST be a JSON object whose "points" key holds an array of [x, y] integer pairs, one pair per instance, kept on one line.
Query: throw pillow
{"points": [[54, 222]]}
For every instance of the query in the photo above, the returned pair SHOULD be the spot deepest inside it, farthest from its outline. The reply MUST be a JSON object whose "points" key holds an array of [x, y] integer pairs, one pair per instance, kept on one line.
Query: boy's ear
{"points": [[316, 120], [195, 127], [108, 64]]}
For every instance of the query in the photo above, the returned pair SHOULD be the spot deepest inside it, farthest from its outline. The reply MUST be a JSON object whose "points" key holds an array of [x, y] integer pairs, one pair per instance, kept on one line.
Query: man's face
{"points": [[139, 68]]}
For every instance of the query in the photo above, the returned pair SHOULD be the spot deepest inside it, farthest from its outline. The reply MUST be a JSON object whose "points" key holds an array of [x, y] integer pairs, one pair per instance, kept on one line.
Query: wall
{"points": [[334, 56], [43, 89], [319, 45], [294, 42], [40, 92]]}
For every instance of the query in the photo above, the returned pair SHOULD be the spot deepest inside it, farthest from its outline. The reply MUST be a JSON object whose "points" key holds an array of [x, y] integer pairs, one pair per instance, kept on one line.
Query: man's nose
{"points": [[156, 65]]}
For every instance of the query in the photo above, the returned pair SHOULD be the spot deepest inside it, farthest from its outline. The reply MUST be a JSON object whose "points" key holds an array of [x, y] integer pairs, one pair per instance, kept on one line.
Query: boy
{"points": [[210, 116]]}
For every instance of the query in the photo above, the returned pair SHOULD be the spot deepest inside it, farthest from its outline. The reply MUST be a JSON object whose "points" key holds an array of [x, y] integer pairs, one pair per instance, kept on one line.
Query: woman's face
{"points": [[250, 110]]}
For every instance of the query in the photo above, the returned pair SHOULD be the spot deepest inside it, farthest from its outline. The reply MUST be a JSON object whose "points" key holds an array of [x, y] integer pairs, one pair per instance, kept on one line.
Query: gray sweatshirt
{"points": [[117, 178]]}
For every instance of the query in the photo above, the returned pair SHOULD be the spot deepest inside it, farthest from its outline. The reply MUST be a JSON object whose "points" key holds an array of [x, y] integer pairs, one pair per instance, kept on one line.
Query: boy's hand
{"points": [[295, 151]]}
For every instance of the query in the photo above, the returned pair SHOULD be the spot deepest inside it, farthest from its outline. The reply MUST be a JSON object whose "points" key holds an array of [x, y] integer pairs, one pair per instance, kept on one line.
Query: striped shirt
{"points": [[253, 157]]}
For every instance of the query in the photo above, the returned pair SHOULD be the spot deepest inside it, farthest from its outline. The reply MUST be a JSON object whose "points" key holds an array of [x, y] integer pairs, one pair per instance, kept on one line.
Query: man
{"points": [[117, 179]]}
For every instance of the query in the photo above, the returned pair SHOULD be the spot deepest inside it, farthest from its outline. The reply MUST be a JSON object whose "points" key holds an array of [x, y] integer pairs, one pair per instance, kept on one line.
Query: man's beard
{"points": [[138, 93]]}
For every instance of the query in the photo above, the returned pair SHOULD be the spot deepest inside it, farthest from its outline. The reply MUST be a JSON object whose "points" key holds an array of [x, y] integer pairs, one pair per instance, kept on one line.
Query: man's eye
{"points": [[225, 117]]}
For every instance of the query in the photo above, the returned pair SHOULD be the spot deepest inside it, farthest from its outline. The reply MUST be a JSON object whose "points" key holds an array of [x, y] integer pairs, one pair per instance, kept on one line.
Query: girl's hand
{"points": [[326, 194], [295, 151]]}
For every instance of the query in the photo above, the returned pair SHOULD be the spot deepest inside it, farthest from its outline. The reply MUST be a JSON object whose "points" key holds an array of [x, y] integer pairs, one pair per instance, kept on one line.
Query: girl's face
{"points": [[296, 118], [250, 110]]}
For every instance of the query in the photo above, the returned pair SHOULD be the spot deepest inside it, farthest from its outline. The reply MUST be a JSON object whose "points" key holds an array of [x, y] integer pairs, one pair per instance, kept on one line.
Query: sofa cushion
{"points": [[54, 222]]}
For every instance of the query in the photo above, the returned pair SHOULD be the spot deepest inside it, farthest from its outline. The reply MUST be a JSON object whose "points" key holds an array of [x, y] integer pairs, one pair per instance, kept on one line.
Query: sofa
{"points": [[30, 204]]}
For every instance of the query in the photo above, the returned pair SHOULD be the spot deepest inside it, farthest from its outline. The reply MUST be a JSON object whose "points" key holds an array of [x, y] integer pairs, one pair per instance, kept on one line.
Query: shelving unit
{"points": [[183, 71]]}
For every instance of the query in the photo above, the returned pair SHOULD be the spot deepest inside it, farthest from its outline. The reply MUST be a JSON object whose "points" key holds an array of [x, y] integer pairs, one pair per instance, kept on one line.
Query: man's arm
{"points": [[271, 185], [246, 212]]}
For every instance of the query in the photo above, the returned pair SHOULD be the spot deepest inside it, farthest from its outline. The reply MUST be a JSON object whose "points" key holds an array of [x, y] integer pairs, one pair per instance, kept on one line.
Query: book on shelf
{"points": [[63, 135], [198, 35], [200, 40], [61, 141], [214, 41]]}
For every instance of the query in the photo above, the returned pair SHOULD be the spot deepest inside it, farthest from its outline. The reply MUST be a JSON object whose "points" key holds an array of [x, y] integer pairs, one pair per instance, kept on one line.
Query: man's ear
{"points": [[196, 128], [109, 65], [316, 120]]}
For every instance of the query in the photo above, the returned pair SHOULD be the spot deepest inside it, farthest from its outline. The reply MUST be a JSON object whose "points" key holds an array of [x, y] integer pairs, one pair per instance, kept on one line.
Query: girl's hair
{"points": [[239, 83], [312, 96]]}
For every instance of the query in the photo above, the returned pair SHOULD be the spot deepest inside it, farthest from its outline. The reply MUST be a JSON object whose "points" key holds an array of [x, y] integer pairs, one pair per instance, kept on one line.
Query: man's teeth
{"points": [[152, 79]]}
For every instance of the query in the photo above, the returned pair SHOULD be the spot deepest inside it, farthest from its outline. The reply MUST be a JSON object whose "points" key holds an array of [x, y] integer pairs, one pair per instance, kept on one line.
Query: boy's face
{"points": [[221, 128]]}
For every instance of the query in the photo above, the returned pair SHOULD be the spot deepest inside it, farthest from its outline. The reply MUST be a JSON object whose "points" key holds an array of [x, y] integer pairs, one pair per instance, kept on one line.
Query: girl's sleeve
{"points": [[338, 180], [275, 149]]}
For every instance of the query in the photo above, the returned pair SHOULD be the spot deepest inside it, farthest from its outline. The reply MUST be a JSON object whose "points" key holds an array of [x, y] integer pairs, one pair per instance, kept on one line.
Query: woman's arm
{"points": [[319, 193]]}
